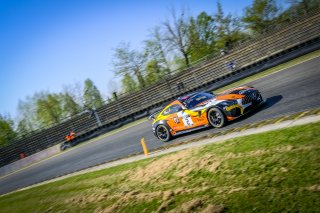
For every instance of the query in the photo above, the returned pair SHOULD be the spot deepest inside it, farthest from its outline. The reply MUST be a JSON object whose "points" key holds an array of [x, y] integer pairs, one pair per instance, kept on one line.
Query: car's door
{"points": [[195, 115], [179, 118], [173, 120], [191, 118]]}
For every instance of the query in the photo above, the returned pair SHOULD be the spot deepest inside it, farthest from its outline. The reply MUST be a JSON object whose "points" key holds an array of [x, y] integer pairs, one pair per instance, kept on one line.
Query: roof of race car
{"points": [[222, 94], [235, 90], [186, 97], [183, 98]]}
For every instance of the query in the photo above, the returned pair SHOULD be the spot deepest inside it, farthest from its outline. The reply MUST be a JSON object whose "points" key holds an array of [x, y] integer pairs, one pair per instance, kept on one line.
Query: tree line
{"points": [[175, 44], [183, 40], [44, 109]]}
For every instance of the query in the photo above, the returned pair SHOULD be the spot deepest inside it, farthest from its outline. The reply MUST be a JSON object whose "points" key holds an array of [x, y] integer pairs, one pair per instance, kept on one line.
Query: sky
{"points": [[47, 44]]}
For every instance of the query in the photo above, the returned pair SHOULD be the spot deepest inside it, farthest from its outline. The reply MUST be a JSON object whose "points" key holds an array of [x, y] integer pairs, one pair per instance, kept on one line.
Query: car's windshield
{"points": [[172, 109], [197, 99]]}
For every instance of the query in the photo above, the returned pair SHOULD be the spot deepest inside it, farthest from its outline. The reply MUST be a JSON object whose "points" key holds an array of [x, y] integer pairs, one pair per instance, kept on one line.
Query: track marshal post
{"points": [[144, 147]]}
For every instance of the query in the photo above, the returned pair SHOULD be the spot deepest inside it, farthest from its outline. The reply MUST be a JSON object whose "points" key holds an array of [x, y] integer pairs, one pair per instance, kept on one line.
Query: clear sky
{"points": [[45, 44]]}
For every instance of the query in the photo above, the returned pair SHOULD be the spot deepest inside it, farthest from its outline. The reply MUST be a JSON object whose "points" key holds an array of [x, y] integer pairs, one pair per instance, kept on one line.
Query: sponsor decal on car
{"points": [[176, 120], [187, 121], [229, 108]]}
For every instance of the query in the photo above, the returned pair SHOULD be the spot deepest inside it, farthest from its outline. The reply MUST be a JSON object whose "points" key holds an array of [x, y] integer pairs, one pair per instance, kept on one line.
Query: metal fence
{"points": [[247, 56]]}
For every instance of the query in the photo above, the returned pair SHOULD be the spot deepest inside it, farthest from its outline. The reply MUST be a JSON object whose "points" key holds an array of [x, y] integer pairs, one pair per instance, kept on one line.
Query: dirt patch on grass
{"points": [[166, 195], [178, 165], [190, 206], [208, 162], [164, 206], [214, 209], [110, 209], [239, 189], [129, 197], [260, 152], [159, 166], [83, 200], [314, 188]]}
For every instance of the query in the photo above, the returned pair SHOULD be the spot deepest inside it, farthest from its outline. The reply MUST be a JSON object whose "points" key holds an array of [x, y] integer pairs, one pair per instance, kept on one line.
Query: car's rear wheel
{"points": [[163, 133], [216, 118]]}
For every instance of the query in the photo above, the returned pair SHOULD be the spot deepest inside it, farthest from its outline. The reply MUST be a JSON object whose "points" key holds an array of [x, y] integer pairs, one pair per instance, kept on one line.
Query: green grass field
{"points": [[276, 171]]}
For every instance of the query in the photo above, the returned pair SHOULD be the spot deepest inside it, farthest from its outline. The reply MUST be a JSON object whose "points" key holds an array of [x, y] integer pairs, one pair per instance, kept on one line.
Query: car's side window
{"points": [[172, 109]]}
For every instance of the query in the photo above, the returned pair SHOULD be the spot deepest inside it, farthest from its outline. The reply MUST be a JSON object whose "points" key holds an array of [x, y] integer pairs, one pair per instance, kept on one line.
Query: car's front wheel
{"points": [[216, 118], [163, 133]]}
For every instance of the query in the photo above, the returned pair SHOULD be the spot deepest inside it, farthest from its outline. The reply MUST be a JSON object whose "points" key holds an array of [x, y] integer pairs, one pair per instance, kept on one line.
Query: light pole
{"points": [[92, 110]]}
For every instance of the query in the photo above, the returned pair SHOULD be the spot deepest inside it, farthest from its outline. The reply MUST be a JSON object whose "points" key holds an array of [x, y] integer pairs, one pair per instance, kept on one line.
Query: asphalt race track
{"points": [[292, 90]]}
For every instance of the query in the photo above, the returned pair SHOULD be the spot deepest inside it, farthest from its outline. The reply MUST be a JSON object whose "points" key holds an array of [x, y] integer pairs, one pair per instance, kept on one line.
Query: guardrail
{"points": [[249, 57]]}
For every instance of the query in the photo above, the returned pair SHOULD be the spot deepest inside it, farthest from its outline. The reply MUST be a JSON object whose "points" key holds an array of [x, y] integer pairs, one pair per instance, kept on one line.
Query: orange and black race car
{"points": [[199, 110]]}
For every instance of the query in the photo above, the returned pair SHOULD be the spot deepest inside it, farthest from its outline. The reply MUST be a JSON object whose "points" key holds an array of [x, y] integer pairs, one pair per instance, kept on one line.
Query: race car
{"points": [[201, 109], [69, 142]]}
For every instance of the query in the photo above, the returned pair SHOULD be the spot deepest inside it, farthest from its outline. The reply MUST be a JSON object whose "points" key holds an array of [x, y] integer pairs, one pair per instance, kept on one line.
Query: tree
{"points": [[43, 109], [228, 29], [112, 86], [261, 15], [297, 8], [128, 84], [127, 61], [154, 72], [27, 119], [202, 36], [156, 50], [69, 105], [49, 109], [75, 90], [304, 6], [23, 128], [177, 35], [7, 133], [91, 95]]}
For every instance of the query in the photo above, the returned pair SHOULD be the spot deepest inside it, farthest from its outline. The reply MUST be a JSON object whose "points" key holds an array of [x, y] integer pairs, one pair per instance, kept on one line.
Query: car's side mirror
{"points": [[154, 115]]}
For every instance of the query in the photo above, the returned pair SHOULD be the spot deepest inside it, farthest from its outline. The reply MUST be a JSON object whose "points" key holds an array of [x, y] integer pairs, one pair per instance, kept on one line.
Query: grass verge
{"points": [[276, 171], [272, 70]]}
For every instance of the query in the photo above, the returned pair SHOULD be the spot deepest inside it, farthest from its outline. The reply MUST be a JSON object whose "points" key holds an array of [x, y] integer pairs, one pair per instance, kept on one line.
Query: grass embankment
{"points": [[272, 172]]}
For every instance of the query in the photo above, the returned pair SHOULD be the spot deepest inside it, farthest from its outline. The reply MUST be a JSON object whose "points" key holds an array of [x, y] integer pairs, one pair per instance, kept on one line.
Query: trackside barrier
{"points": [[301, 35], [29, 160]]}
